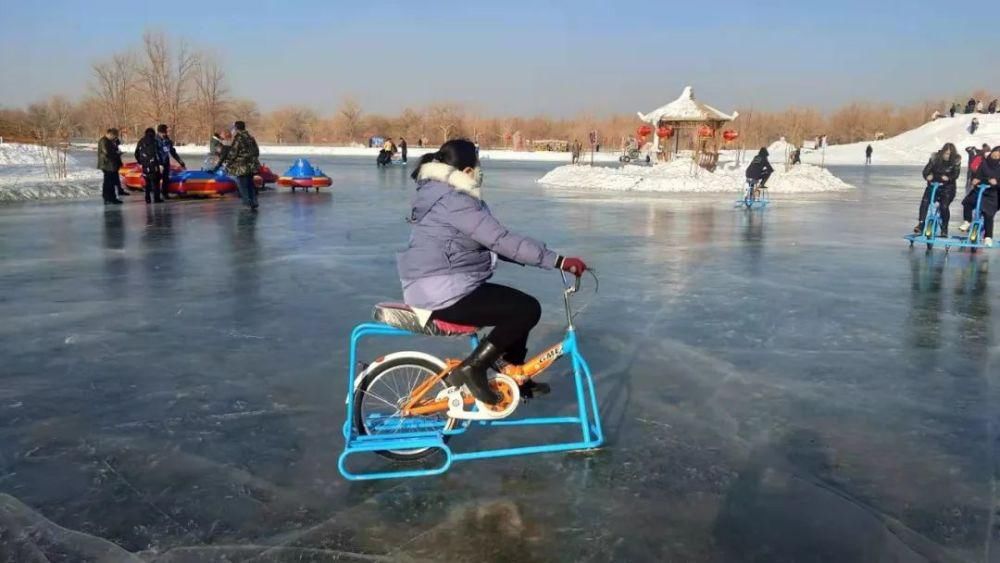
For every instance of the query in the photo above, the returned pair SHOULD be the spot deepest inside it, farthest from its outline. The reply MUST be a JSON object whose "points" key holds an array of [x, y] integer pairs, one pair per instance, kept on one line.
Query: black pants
{"points": [[402, 155], [510, 312], [945, 195], [108, 186], [152, 183], [990, 205], [165, 181], [248, 192]]}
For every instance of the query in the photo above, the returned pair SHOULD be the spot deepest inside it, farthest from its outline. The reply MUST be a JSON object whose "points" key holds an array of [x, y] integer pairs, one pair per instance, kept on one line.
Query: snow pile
{"points": [[23, 175], [915, 147], [683, 176]]}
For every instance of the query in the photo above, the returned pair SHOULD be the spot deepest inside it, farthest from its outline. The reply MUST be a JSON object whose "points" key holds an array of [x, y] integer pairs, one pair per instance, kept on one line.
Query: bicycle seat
{"points": [[400, 315]]}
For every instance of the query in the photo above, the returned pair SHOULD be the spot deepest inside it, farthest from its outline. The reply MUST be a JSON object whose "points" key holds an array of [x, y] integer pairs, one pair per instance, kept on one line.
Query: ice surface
{"points": [[792, 385], [682, 175]]}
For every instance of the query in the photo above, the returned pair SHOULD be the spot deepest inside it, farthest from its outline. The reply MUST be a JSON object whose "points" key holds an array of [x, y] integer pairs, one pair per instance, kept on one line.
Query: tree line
{"points": [[168, 81]]}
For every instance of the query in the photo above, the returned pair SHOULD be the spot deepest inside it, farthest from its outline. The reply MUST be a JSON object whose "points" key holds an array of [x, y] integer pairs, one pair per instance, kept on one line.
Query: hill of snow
{"points": [[915, 147], [23, 175], [681, 176]]}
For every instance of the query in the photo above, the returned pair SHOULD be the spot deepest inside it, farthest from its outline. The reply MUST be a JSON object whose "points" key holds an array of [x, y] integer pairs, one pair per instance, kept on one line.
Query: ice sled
{"points": [[304, 175], [931, 234]]}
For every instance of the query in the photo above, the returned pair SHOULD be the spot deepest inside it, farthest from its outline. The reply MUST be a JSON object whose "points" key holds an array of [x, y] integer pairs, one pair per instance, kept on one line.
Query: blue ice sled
{"points": [[750, 198], [930, 235]]}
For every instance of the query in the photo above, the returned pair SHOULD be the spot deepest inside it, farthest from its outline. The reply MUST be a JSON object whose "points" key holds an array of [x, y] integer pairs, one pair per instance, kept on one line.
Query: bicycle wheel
{"points": [[381, 395]]}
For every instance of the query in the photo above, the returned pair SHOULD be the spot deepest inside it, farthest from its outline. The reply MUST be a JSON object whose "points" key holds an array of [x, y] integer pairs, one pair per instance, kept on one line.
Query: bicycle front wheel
{"points": [[379, 399]]}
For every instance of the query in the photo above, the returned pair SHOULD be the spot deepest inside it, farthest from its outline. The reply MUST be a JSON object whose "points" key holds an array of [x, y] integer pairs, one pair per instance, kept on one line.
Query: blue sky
{"points": [[521, 57]]}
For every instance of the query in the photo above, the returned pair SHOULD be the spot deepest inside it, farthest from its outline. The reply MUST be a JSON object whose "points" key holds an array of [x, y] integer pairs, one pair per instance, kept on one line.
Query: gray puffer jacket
{"points": [[455, 240]]}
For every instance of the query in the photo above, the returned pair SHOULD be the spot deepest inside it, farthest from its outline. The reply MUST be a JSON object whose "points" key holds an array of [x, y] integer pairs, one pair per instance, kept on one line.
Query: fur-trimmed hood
{"points": [[446, 174]]}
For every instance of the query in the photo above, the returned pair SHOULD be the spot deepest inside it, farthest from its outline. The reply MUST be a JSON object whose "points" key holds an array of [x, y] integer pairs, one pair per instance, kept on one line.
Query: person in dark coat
{"points": [[402, 149], [943, 168], [109, 160], [147, 154], [242, 161], [760, 169], [868, 154], [976, 157], [954, 109], [992, 108], [987, 173], [970, 107], [166, 145]]}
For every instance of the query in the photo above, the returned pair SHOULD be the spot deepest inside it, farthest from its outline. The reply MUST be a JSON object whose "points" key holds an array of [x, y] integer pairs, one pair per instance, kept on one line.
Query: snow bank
{"points": [[683, 176], [23, 175], [914, 147]]}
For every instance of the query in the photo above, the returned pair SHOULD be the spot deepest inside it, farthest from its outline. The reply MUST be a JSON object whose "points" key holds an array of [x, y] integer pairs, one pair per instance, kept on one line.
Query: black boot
{"points": [[472, 373]]}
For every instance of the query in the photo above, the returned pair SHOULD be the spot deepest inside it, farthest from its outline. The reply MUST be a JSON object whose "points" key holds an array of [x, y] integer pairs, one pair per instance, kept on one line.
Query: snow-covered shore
{"points": [[914, 147], [682, 176], [23, 175]]}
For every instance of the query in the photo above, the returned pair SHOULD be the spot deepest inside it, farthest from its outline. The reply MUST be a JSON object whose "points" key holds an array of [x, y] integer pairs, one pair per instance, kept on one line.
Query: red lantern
{"points": [[730, 135], [644, 131], [665, 132], [705, 131]]}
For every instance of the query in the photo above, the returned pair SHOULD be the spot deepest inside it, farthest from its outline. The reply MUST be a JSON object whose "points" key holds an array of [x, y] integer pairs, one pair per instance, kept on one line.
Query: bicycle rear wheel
{"points": [[384, 390]]}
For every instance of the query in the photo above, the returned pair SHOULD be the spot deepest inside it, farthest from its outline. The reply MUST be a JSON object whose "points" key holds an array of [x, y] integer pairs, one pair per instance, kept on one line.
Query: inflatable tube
{"points": [[265, 176], [304, 175], [132, 178], [200, 183]]}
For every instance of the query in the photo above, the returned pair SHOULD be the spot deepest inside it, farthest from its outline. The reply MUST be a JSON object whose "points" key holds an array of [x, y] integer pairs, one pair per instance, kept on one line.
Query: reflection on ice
{"points": [[788, 385]]}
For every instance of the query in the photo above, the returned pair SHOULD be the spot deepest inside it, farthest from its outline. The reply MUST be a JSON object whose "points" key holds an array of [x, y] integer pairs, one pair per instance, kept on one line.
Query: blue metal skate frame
{"points": [[750, 201], [932, 226], [428, 434]]}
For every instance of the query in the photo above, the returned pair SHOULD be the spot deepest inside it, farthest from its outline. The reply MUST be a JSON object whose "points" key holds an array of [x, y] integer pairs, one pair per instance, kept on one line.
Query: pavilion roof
{"points": [[686, 108]]}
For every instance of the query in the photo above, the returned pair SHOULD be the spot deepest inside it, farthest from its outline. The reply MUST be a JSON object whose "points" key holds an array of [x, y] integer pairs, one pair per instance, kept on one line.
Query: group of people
{"points": [[389, 149], [153, 153], [974, 106], [236, 150], [944, 169]]}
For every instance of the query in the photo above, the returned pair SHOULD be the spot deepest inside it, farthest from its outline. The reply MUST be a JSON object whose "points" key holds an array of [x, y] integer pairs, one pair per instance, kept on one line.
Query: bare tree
{"points": [[212, 94], [166, 78], [52, 123], [113, 85], [446, 119], [293, 124], [350, 118]]}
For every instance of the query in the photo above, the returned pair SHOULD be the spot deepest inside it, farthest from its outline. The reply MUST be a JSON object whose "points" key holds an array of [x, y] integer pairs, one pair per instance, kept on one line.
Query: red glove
{"points": [[574, 266]]}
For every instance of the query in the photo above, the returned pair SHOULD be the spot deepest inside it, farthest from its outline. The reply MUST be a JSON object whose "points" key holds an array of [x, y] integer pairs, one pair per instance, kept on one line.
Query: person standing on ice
{"points": [[147, 154], [976, 157], [109, 160], [868, 154], [167, 150], [988, 173], [241, 161], [943, 168], [402, 149], [760, 169], [992, 108], [452, 253]]}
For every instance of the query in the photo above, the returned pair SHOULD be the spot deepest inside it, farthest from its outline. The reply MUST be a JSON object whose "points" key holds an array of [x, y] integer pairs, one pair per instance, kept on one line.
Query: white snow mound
{"points": [[683, 176], [914, 147], [23, 175]]}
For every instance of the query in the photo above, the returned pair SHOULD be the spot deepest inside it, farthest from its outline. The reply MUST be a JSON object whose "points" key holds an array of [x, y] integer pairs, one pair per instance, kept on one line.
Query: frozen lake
{"points": [[792, 385]]}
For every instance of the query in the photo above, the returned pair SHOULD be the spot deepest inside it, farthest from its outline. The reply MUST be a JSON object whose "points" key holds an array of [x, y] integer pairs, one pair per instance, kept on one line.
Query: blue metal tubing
{"points": [[526, 450], [342, 465], [357, 334], [587, 418], [532, 421]]}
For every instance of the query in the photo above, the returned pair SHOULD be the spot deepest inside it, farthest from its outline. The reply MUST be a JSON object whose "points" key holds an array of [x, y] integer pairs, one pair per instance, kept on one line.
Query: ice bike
{"points": [[754, 197], [931, 233], [401, 408]]}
